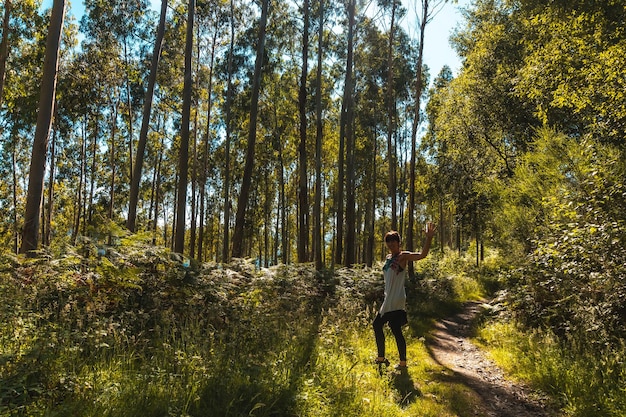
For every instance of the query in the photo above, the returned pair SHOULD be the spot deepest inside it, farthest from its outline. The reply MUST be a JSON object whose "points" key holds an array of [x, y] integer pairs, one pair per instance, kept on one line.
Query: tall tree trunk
{"points": [[416, 121], [391, 151], [267, 215], [47, 224], [229, 96], [151, 211], [195, 161], [242, 203], [317, 206], [113, 170], [284, 242], [94, 164], [81, 184], [276, 234], [157, 196], [183, 158], [194, 188], [30, 234], [343, 122], [349, 132], [130, 111], [205, 149], [441, 225], [16, 232], [303, 213], [4, 46], [370, 215], [145, 121], [174, 212]]}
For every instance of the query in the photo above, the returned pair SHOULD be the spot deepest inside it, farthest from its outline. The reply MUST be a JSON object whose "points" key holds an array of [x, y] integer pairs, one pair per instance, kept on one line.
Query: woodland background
{"points": [[288, 133]]}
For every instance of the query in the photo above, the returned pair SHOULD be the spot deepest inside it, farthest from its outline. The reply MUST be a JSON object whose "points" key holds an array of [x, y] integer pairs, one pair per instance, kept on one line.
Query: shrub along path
{"points": [[450, 346]]}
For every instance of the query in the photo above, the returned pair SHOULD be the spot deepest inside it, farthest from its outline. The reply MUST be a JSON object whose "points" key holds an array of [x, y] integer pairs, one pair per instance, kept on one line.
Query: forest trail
{"points": [[450, 346]]}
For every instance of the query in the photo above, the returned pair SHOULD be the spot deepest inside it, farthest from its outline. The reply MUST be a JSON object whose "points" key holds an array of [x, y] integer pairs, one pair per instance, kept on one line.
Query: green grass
{"points": [[344, 381], [584, 383]]}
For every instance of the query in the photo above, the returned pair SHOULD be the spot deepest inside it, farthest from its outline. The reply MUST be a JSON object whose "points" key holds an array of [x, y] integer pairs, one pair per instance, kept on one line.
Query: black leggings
{"points": [[396, 320]]}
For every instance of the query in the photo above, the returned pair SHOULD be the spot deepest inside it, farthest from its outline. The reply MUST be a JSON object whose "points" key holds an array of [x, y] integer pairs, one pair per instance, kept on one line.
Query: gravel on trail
{"points": [[451, 347]]}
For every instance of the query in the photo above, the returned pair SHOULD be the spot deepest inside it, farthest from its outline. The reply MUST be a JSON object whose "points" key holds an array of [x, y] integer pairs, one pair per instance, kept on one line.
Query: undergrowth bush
{"points": [[562, 222], [136, 332], [573, 282], [140, 331], [583, 384]]}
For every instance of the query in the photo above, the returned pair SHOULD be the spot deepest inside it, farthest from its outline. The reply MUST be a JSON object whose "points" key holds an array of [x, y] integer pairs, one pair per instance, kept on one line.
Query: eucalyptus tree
{"points": [[303, 212], [438, 148], [18, 106], [429, 9], [345, 155], [227, 141], [213, 16], [183, 157], [30, 234], [91, 96], [121, 22], [317, 205], [145, 121], [370, 72], [4, 45], [277, 160], [242, 202], [106, 50], [397, 12]]}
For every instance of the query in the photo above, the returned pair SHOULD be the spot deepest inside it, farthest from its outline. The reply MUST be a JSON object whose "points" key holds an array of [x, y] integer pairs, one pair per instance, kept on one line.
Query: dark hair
{"points": [[392, 236]]}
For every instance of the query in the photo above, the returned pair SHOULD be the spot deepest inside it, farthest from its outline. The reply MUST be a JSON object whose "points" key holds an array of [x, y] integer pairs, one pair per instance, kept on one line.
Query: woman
{"points": [[393, 309]]}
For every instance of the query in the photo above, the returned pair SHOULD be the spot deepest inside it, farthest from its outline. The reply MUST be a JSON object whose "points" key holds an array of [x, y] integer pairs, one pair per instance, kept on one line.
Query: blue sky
{"points": [[437, 49]]}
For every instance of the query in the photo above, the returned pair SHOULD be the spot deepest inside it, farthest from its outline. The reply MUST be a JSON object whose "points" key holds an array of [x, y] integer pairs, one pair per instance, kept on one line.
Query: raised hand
{"points": [[430, 229]]}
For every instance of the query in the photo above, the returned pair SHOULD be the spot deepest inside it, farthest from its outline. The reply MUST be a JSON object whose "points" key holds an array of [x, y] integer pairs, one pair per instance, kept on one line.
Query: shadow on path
{"points": [[465, 364], [405, 386]]}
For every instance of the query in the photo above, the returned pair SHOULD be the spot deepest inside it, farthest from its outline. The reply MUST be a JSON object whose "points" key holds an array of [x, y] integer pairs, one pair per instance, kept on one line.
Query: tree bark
{"points": [[4, 46], [183, 158], [303, 213], [317, 206], [16, 232], [157, 197], [242, 203], [30, 234], [145, 121], [113, 171], [229, 95], [48, 221], [344, 122], [370, 215], [350, 244], [391, 151], [130, 110], [418, 95], [94, 164], [205, 156], [80, 197]]}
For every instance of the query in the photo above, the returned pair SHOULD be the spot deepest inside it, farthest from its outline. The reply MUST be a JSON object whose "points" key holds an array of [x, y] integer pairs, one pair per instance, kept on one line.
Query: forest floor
{"points": [[467, 364]]}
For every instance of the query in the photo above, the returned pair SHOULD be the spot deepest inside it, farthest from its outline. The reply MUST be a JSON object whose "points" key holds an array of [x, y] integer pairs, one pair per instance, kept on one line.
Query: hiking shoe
{"points": [[400, 368], [385, 362]]}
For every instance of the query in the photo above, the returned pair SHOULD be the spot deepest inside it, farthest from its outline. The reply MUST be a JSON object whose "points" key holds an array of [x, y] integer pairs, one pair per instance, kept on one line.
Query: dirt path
{"points": [[450, 346]]}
